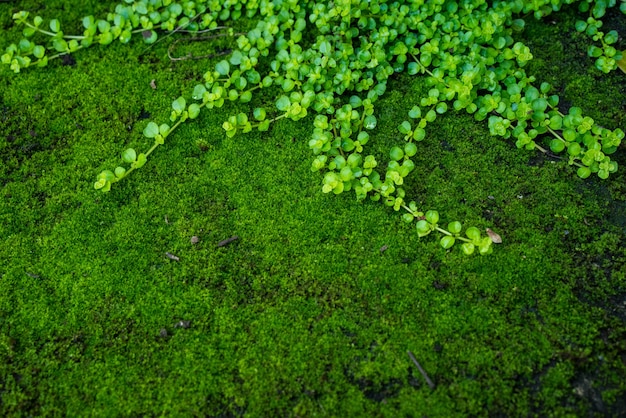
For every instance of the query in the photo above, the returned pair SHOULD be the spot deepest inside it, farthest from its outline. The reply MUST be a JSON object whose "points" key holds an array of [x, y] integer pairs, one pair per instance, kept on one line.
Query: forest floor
{"points": [[312, 310]]}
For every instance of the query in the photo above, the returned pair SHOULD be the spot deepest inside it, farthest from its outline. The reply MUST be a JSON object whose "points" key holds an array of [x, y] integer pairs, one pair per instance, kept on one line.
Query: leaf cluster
{"points": [[607, 56], [334, 60]]}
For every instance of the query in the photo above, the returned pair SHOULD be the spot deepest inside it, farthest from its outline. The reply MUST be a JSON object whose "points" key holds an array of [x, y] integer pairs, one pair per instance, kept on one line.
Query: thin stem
{"points": [[45, 32], [60, 54], [408, 209], [165, 37], [361, 122], [155, 145], [279, 117], [422, 66], [256, 125], [540, 148], [168, 134], [553, 132], [443, 231]]}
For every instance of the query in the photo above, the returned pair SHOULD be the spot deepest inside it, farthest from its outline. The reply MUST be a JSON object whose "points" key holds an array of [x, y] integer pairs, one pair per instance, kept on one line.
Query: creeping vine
{"points": [[333, 59]]}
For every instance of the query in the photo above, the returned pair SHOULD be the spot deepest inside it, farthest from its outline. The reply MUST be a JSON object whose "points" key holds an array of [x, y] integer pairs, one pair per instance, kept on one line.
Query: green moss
{"points": [[312, 310]]}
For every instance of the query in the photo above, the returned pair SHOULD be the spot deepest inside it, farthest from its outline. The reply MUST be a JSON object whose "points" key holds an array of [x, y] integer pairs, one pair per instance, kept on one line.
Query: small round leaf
{"points": [[151, 130], [194, 111], [455, 227], [55, 26], [447, 241], [432, 216], [129, 155]]}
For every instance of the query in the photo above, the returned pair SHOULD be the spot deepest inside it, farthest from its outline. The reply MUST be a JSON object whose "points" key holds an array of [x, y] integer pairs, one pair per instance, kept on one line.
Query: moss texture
{"points": [[312, 310]]}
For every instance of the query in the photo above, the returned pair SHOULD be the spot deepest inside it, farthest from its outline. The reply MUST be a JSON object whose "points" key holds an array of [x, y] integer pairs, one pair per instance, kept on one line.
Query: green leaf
{"points": [[59, 45], [222, 67], [120, 172], [140, 7], [103, 185], [28, 32], [88, 21], [129, 156], [39, 51], [283, 103], [410, 149], [485, 246], [236, 58], [583, 172], [198, 92], [264, 126], [106, 38], [455, 227], [106, 175], [468, 248], [38, 20], [259, 114], [240, 83], [55, 26], [419, 134], [404, 127], [557, 145], [370, 122], [594, 51], [179, 105], [194, 110], [396, 153], [245, 97], [151, 130], [164, 129], [103, 26], [432, 216], [174, 8], [125, 36], [423, 228], [149, 36], [415, 112], [447, 241], [72, 45], [325, 47], [574, 149], [141, 160], [473, 233]]}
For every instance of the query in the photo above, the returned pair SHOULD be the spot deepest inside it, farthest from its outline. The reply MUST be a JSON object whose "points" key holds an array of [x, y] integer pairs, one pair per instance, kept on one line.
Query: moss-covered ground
{"points": [[306, 314]]}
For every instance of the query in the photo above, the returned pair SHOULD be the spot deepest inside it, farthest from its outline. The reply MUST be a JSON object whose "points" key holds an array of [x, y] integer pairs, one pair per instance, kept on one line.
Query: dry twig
{"points": [[426, 378]]}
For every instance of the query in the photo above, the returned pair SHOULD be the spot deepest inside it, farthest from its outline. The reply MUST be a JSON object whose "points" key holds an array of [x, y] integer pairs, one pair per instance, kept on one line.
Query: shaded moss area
{"points": [[312, 310]]}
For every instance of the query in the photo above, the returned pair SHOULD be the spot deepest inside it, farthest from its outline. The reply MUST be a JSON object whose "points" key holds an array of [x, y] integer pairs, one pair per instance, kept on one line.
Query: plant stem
{"points": [[45, 32], [553, 132]]}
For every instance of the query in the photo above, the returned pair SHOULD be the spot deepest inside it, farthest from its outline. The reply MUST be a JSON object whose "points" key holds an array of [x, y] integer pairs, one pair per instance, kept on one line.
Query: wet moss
{"points": [[313, 308]]}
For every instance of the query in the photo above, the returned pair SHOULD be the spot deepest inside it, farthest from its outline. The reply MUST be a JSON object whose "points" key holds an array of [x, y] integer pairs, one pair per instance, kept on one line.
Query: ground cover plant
{"points": [[340, 72], [312, 310]]}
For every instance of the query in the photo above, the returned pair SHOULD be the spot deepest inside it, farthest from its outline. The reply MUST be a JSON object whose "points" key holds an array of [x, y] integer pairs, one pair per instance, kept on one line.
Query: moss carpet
{"points": [[312, 310]]}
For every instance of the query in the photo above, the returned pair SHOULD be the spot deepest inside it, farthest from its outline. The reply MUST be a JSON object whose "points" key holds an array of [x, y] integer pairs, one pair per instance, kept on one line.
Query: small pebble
{"points": [[172, 257], [195, 239], [227, 241], [182, 324], [495, 238], [163, 333]]}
